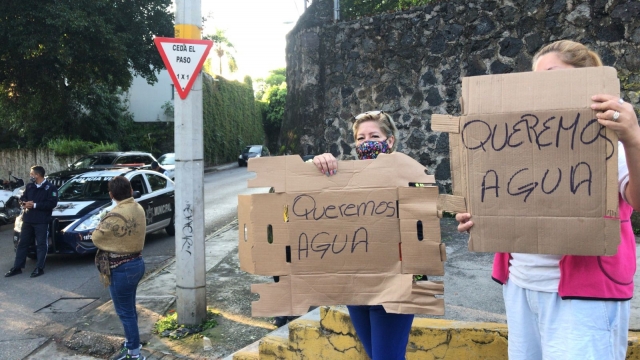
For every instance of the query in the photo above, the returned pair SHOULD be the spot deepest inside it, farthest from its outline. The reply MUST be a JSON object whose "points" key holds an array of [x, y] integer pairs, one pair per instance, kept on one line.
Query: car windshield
{"points": [[90, 160], [252, 149], [167, 159], [85, 188]]}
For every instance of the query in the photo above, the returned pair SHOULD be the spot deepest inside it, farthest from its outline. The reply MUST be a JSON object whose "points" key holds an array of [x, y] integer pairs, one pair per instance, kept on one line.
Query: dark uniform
{"points": [[35, 222]]}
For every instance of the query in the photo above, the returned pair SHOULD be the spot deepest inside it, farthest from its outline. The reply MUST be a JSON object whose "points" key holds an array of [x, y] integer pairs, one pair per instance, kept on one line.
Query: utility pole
{"points": [[189, 190]]}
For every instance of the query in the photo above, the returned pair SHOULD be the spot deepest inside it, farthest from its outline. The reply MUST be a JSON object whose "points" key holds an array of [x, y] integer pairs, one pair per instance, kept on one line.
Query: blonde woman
{"points": [[383, 335]]}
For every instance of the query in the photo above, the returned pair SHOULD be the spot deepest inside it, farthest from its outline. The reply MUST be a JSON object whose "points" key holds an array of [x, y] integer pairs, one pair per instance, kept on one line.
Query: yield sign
{"points": [[183, 58]]}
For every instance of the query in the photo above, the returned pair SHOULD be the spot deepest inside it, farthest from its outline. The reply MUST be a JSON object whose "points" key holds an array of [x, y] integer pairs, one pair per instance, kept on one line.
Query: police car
{"points": [[84, 199]]}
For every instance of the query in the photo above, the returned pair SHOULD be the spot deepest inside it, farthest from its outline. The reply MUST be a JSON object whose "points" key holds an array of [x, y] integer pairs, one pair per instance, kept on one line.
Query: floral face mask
{"points": [[371, 149]]}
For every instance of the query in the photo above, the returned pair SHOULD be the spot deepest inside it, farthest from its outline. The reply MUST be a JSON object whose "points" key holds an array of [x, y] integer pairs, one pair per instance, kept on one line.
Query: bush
{"points": [[69, 147], [104, 147]]}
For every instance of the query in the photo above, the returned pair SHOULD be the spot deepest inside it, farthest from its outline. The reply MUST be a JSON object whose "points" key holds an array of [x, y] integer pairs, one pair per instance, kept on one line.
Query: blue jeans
{"points": [[384, 336], [124, 283]]}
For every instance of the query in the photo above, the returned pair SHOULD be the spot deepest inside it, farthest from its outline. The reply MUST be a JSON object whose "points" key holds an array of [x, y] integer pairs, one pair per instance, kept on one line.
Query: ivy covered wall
{"points": [[231, 119]]}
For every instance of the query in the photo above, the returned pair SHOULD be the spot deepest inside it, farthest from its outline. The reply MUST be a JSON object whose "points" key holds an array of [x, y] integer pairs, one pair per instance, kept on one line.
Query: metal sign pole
{"points": [[189, 175]]}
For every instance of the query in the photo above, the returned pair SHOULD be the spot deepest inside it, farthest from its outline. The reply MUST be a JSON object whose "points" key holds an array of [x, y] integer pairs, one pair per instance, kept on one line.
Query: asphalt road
{"points": [[33, 310]]}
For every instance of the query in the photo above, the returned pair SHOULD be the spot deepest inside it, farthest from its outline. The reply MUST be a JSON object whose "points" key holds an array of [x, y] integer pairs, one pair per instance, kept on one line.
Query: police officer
{"points": [[156, 167], [39, 199]]}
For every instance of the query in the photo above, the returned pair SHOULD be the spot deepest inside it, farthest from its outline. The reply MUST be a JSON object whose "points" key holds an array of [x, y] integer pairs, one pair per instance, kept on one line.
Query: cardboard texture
{"points": [[537, 171], [354, 238]]}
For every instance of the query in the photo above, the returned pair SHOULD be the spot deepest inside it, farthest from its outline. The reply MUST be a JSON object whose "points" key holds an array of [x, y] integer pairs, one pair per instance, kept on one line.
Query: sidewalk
{"points": [[470, 296]]}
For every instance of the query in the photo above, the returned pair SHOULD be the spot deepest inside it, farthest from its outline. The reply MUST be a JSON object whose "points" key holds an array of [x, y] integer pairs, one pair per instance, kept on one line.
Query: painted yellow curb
{"points": [[333, 338]]}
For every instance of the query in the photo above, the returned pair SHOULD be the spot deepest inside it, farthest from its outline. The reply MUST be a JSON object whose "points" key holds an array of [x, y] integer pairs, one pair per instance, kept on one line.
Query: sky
{"points": [[256, 28]]}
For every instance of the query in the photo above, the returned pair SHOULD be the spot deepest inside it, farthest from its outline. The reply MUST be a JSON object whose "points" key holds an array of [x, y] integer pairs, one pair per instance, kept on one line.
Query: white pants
{"points": [[543, 326]]}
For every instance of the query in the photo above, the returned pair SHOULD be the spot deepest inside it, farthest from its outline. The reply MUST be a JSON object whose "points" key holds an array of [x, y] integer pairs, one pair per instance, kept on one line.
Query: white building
{"points": [[147, 102]]}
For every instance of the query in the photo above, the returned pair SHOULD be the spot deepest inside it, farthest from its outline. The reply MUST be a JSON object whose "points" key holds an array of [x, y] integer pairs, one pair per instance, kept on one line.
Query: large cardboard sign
{"points": [[538, 171], [355, 238]]}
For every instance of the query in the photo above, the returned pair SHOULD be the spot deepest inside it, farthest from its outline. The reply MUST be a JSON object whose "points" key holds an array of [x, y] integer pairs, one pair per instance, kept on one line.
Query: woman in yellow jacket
{"points": [[120, 239]]}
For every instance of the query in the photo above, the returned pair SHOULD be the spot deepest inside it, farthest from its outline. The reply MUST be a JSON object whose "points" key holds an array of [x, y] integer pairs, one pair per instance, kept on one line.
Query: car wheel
{"points": [[240, 163], [171, 228]]}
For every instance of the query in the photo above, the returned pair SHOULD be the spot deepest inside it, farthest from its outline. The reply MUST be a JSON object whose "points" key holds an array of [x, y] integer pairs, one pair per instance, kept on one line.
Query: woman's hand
{"points": [[625, 123], [464, 222], [326, 163]]}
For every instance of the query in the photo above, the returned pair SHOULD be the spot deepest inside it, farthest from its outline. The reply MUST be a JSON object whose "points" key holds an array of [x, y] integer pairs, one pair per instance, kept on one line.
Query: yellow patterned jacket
{"points": [[123, 229]]}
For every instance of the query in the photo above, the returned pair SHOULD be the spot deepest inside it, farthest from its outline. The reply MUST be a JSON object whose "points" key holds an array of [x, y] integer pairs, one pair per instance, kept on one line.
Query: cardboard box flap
{"points": [[270, 172], [542, 90], [262, 232], [427, 298], [445, 123], [451, 203], [316, 290], [291, 174]]}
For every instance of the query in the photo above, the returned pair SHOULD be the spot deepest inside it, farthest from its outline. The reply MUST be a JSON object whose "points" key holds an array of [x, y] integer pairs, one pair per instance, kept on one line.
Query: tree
{"points": [[65, 62], [275, 78], [223, 47], [273, 113]]}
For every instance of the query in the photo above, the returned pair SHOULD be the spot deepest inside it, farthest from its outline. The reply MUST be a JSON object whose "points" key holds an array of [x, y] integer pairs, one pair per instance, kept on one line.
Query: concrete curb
{"points": [[327, 333], [220, 167]]}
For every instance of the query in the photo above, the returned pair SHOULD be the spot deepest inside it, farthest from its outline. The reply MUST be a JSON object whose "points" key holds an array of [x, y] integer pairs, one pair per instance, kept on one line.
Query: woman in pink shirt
{"points": [[576, 307]]}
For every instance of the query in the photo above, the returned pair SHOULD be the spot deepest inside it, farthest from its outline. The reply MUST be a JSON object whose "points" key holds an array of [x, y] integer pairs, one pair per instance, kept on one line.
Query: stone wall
{"points": [[20, 161], [410, 64]]}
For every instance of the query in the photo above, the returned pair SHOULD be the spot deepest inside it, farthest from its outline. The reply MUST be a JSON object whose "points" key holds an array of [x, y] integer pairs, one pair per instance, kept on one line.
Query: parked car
{"points": [[83, 199], [10, 191], [252, 151], [101, 160], [168, 162]]}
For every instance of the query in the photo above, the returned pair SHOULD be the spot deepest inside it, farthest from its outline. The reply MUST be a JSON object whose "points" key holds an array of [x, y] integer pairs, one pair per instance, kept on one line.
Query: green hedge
{"points": [[231, 119], [74, 147]]}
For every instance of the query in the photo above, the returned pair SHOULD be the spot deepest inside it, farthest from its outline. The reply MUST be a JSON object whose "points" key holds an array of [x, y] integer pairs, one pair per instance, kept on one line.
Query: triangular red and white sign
{"points": [[183, 58]]}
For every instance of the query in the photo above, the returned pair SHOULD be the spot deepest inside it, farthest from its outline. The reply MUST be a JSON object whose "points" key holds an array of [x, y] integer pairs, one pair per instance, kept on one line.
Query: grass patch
{"points": [[168, 325]]}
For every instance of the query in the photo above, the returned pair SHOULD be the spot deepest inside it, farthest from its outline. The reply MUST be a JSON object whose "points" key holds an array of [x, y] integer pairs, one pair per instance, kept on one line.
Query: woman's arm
{"points": [[626, 126]]}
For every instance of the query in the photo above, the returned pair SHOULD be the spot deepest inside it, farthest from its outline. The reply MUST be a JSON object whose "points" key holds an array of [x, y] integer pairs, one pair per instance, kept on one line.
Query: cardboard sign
{"points": [[538, 171], [354, 238]]}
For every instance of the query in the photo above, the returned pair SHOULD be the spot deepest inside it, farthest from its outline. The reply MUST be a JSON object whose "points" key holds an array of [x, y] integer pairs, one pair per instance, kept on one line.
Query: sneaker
{"points": [[123, 353]]}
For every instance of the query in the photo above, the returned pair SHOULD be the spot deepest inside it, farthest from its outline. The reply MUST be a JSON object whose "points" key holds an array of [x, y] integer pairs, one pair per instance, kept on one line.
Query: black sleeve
{"points": [[51, 201], [24, 196]]}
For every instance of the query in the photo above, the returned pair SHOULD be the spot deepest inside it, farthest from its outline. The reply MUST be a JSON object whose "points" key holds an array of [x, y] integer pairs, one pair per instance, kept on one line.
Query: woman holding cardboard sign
{"points": [[383, 335], [576, 307]]}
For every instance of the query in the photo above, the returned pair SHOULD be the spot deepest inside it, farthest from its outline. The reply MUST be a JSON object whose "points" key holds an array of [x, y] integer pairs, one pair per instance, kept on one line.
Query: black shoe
{"points": [[279, 321], [12, 272], [37, 272]]}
